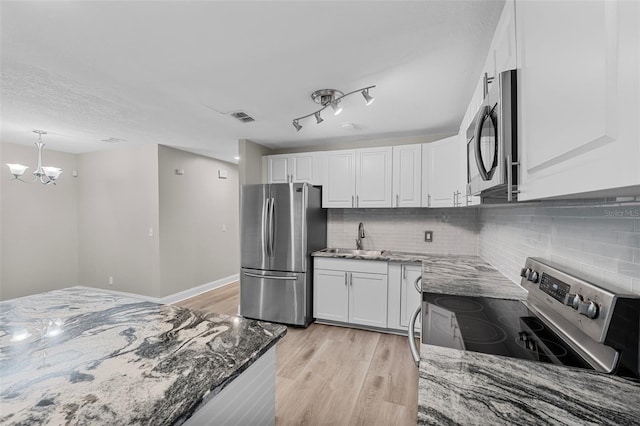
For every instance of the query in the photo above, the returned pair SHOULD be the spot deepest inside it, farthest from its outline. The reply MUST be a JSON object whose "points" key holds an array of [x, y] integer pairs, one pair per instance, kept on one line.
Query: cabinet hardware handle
{"points": [[357, 200], [510, 165], [352, 201], [404, 272], [428, 200], [397, 200], [346, 279]]}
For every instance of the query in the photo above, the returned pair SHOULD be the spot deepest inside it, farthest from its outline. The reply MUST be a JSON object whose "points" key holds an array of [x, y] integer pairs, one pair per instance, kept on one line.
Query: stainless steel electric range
{"points": [[565, 320]]}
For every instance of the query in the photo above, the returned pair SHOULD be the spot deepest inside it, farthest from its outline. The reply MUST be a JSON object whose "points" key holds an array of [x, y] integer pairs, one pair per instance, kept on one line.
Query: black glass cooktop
{"points": [[493, 326]]}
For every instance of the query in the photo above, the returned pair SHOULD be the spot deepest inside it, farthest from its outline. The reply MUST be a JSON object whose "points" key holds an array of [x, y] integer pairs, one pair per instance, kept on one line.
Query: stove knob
{"points": [[523, 272], [533, 277], [573, 300], [588, 309]]}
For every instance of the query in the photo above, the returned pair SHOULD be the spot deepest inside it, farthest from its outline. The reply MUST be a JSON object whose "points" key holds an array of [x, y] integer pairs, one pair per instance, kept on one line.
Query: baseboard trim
{"points": [[176, 297]]}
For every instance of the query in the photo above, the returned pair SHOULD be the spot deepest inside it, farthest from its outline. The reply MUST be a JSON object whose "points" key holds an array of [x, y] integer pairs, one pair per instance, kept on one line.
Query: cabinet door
{"points": [[330, 295], [410, 298], [578, 94], [278, 168], [339, 179], [373, 177], [407, 176], [302, 167], [368, 299], [443, 173]]}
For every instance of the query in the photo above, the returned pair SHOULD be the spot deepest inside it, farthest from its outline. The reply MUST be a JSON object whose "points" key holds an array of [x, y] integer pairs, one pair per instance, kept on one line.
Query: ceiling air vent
{"points": [[242, 116], [112, 140]]}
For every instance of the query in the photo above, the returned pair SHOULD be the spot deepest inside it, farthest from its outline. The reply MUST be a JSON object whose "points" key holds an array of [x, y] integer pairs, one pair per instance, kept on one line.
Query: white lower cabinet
{"points": [[403, 296], [350, 291]]}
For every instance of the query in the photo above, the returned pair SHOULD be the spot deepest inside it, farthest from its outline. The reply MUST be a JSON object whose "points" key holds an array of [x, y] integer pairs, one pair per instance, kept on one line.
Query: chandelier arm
{"points": [[335, 100]]}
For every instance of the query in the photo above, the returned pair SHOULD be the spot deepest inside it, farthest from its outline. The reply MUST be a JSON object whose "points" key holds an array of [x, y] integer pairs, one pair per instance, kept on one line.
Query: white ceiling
{"points": [[170, 72]]}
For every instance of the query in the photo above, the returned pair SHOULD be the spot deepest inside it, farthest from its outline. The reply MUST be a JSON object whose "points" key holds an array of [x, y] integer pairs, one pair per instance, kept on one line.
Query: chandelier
{"points": [[331, 98], [45, 174]]}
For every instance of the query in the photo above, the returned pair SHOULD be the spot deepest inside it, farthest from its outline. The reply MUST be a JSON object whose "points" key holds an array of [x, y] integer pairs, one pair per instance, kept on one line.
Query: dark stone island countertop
{"points": [[85, 356]]}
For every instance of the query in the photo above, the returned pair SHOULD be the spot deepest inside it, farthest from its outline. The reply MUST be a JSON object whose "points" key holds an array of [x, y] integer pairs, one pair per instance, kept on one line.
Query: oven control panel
{"points": [[581, 303], [554, 287]]}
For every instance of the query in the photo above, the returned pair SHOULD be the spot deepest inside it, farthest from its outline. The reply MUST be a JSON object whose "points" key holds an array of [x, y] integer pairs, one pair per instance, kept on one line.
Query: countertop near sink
{"points": [[449, 273], [93, 357]]}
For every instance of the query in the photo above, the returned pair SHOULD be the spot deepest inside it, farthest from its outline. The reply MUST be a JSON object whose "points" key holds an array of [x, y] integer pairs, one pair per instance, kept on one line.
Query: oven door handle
{"points": [[411, 335]]}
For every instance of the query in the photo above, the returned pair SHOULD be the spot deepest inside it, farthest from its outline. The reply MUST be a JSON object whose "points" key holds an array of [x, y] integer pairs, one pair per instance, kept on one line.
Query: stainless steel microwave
{"points": [[492, 150]]}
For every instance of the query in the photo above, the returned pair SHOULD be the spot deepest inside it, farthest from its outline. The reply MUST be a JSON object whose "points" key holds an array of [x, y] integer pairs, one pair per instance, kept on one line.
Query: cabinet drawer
{"points": [[351, 265]]}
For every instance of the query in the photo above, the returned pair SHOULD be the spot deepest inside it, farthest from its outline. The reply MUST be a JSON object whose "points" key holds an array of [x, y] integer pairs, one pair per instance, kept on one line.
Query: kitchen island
{"points": [[85, 356], [471, 388]]}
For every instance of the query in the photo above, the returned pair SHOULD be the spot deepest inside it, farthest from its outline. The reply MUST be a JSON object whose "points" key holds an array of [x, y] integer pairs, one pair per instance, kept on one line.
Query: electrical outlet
{"points": [[428, 236], [110, 280], [224, 228]]}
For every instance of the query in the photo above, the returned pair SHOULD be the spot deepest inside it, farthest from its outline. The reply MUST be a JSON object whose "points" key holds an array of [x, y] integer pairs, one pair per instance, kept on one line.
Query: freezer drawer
{"points": [[283, 297]]}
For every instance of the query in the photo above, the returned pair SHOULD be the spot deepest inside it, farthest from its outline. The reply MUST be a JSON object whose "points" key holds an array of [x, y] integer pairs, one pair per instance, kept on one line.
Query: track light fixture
{"points": [[331, 97]]}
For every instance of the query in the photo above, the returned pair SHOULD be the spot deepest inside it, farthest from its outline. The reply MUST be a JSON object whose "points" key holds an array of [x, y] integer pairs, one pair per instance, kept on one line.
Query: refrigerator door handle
{"points": [[415, 354], [265, 220], [272, 226], [270, 277]]}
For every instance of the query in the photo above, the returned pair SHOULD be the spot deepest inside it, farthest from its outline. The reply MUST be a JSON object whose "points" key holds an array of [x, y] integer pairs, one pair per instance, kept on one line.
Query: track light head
{"points": [[337, 109], [367, 98], [318, 118], [297, 125]]}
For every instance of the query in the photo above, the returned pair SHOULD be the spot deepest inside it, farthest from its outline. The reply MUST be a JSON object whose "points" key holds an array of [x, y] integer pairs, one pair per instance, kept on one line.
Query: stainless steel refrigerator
{"points": [[281, 225]]}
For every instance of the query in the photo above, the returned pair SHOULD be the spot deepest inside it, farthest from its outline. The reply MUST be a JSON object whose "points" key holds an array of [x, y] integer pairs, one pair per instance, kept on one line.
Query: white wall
{"points": [[601, 241], [194, 249], [38, 228], [118, 220], [454, 230]]}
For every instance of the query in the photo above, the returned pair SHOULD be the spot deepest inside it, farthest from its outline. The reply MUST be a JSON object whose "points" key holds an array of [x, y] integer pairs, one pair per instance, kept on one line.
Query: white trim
{"points": [[176, 297], [191, 292]]}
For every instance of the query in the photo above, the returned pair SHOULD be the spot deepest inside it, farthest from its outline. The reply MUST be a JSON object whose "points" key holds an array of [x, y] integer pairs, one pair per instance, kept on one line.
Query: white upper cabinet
{"points": [[357, 178], [339, 189], [502, 53], [578, 96], [373, 177], [302, 167], [442, 173], [407, 175]]}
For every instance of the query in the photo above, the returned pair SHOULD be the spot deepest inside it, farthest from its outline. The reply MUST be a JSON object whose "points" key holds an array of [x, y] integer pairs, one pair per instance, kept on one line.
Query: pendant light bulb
{"points": [[297, 125], [318, 118], [367, 98]]}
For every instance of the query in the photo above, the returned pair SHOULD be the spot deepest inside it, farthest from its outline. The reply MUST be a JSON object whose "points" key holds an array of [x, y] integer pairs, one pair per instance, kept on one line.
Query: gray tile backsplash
{"points": [[455, 231], [601, 241]]}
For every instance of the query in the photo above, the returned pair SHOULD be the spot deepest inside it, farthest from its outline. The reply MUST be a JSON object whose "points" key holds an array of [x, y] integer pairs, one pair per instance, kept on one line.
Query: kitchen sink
{"points": [[355, 252]]}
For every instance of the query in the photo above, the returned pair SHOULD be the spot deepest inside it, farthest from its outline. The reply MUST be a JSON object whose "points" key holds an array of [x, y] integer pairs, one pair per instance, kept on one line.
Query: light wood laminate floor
{"points": [[328, 375]]}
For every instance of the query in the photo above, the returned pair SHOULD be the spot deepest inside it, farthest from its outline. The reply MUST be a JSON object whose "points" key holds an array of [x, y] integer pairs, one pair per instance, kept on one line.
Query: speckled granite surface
{"points": [[469, 388], [467, 276], [78, 356], [450, 274]]}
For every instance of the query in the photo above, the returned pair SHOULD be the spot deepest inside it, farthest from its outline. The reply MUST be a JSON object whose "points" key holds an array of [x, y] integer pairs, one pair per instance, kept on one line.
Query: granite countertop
{"points": [[470, 388], [84, 356], [385, 256], [467, 276]]}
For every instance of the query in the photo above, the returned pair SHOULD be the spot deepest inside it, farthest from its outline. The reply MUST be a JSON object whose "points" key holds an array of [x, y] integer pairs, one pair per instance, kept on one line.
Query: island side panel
{"points": [[249, 400]]}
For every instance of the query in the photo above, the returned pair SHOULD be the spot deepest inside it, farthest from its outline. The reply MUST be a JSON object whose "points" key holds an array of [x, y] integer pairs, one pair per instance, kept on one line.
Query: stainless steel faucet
{"points": [[360, 236]]}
